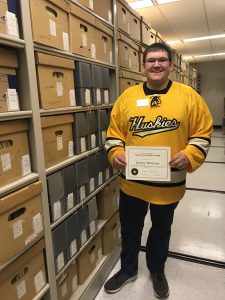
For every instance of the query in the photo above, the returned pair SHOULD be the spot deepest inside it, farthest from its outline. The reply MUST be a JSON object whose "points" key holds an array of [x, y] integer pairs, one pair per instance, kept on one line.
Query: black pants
{"points": [[132, 214]]}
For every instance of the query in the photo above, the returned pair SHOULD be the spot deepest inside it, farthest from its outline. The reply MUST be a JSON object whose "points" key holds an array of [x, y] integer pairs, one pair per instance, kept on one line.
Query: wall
{"points": [[213, 87]]}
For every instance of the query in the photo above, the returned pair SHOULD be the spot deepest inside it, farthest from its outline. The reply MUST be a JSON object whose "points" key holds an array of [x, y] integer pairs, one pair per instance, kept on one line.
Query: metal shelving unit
{"points": [[30, 110]]}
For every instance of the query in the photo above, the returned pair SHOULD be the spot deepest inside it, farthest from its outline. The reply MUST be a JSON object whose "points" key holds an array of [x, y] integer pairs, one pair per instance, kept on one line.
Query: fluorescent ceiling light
{"points": [[174, 42], [187, 57], [166, 1], [141, 4], [207, 55], [202, 38]]}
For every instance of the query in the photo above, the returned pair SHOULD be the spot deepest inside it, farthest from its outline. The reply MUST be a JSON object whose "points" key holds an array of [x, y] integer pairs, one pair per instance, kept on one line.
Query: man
{"points": [[157, 113]]}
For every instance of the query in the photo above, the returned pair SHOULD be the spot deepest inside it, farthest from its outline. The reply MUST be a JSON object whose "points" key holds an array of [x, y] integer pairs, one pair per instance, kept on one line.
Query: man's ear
{"points": [[143, 68], [171, 66]]}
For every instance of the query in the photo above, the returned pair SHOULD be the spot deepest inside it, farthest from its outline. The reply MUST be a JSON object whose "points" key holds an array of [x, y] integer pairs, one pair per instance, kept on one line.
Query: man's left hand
{"points": [[179, 161]]}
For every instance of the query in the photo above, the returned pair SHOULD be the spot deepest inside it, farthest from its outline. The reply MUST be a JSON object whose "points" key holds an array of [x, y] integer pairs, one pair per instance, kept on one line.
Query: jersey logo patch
{"points": [[142, 129]]}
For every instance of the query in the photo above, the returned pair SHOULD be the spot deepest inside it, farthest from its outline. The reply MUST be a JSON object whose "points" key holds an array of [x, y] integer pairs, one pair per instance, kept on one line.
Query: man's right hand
{"points": [[119, 161]]}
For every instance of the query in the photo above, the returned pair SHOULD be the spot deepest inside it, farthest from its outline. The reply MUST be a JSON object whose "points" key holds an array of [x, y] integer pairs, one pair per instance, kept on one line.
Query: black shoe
{"points": [[117, 281], [160, 285]]}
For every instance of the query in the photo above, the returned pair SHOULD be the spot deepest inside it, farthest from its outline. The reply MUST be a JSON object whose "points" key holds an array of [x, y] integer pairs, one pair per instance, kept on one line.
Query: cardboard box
{"points": [[89, 36], [20, 220], [59, 241], [100, 8], [8, 18], [128, 53], [8, 81], [103, 9], [56, 196], [135, 25], [67, 282], [92, 214], [123, 16], [81, 168], [128, 79], [80, 132], [50, 23], [25, 277], [57, 138], [69, 181], [148, 34], [73, 234], [103, 37], [83, 225], [83, 80], [55, 81], [89, 258], [14, 151], [111, 234], [108, 200], [92, 173], [82, 26]]}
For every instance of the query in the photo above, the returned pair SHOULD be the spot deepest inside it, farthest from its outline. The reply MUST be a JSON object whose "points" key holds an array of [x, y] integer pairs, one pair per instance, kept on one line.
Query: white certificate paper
{"points": [[148, 163]]}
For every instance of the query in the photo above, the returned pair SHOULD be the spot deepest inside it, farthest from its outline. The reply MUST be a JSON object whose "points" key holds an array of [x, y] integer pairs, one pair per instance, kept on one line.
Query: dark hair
{"points": [[157, 47]]}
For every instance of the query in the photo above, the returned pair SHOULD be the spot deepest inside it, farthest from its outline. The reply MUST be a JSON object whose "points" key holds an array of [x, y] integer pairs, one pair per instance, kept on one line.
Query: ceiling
{"points": [[187, 19]]}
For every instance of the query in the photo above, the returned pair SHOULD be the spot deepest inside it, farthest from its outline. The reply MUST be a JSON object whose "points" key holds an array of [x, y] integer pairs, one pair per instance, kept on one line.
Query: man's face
{"points": [[157, 71]]}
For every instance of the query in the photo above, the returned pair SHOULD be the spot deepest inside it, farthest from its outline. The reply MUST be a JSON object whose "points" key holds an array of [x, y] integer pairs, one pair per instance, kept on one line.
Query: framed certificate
{"points": [[148, 163]]}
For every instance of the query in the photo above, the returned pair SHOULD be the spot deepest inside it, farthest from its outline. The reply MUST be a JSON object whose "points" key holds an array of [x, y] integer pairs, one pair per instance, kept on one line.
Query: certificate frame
{"points": [[148, 163]]}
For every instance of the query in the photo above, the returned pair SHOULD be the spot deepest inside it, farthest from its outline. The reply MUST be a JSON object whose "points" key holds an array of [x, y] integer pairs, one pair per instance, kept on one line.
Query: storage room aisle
{"points": [[196, 265]]}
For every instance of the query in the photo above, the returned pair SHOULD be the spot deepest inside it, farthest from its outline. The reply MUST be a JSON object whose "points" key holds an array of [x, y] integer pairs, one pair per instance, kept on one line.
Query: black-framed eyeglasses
{"points": [[159, 60]]}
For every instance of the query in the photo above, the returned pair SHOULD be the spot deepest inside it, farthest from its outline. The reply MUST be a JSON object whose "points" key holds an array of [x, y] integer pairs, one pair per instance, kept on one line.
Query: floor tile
{"points": [[210, 176]]}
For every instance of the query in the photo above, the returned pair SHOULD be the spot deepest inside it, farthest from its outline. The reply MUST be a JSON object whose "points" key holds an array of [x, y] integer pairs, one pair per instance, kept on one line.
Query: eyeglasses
{"points": [[159, 60]]}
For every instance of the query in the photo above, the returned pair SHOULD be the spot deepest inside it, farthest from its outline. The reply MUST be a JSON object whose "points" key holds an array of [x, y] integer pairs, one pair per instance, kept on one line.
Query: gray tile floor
{"points": [[198, 230]]}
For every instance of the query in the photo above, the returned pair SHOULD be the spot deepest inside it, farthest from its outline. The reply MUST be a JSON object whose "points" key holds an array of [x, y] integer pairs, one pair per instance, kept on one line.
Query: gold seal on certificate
{"points": [[148, 163]]}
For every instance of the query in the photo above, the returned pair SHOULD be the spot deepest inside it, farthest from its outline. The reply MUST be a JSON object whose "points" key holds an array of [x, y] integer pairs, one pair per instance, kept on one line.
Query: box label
{"points": [[83, 237], [82, 192], [87, 96], [60, 261], [17, 229], [37, 223], [57, 210], [105, 46], [84, 39], [25, 164], [110, 16], [92, 227], [100, 178], [52, 27], [93, 51], [6, 162], [11, 24], [98, 92], [59, 89], [111, 57], [103, 136], [12, 100], [70, 201], [73, 247], [91, 4], [83, 147], [59, 141], [93, 141], [92, 185], [39, 281], [70, 149], [21, 289], [72, 98], [65, 38], [106, 96]]}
